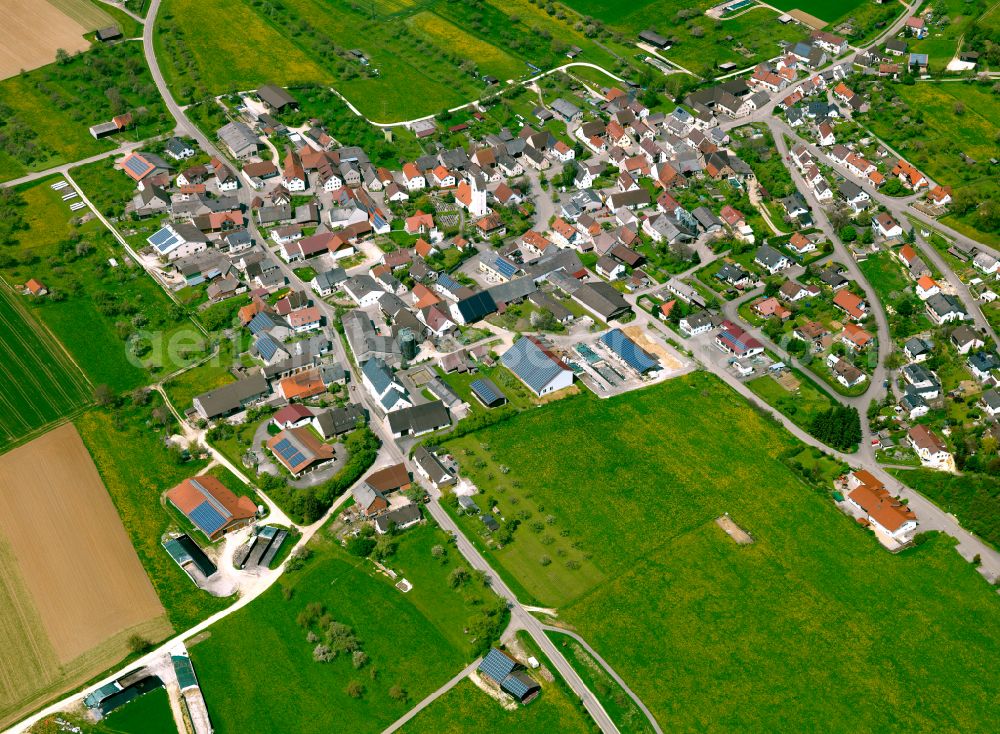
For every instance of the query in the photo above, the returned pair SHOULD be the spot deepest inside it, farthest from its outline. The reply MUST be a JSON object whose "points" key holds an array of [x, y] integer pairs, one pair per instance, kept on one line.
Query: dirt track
{"points": [[73, 586], [32, 31]]}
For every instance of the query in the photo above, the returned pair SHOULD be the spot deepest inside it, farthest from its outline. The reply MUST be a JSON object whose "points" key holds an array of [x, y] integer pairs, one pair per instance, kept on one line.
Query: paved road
{"points": [[521, 619], [28, 178], [398, 724], [610, 671]]}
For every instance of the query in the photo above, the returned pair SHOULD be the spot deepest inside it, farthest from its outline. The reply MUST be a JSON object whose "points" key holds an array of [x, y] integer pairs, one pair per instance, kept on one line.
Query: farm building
{"points": [[211, 506], [502, 669], [419, 419], [299, 450], [628, 352], [487, 392], [231, 398], [111, 33], [389, 479], [536, 366], [189, 556], [276, 98]]}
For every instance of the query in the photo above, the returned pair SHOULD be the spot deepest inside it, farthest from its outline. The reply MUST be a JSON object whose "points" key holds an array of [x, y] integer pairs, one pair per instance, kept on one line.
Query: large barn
{"points": [[211, 506]]}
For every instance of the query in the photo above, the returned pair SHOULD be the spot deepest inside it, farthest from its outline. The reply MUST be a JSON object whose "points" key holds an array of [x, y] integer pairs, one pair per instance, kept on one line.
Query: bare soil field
{"points": [[72, 590], [33, 30]]}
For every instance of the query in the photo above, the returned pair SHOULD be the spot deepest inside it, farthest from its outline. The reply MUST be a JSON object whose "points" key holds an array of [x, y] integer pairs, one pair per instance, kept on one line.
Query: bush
{"points": [[360, 546], [354, 689]]}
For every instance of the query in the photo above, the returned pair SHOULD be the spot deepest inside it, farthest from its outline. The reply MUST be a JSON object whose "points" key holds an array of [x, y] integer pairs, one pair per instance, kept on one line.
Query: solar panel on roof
{"points": [[163, 238], [515, 686], [138, 166], [486, 392], [207, 518], [289, 452], [219, 507], [496, 665], [267, 346], [630, 352]]}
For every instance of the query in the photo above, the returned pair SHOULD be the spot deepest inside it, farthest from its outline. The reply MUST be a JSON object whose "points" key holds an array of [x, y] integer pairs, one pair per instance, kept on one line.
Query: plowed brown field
{"points": [[32, 30], [72, 590]]}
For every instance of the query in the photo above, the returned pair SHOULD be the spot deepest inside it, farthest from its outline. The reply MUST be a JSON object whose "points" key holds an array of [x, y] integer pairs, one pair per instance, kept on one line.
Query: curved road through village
{"points": [[931, 517]]}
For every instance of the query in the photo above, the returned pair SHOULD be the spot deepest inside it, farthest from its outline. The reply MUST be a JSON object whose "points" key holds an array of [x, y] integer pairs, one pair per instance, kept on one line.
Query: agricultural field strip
{"points": [[35, 368]]}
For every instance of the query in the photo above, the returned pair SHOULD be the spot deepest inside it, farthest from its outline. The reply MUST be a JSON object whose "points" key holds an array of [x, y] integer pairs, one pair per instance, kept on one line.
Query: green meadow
{"points": [[695, 622]]}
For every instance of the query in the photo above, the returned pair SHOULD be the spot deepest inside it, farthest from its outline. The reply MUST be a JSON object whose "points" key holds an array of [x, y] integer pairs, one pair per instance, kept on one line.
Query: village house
{"points": [[930, 448]]}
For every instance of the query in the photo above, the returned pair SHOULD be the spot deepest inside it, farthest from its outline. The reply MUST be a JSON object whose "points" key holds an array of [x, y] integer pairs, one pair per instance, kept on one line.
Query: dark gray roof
{"points": [[231, 397], [401, 516], [419, 418], [340, 420], [602, 298], [275, 96]]}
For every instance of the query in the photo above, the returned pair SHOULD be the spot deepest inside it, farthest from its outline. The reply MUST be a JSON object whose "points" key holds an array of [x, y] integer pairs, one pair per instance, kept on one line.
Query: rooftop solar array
{"points": [[527, 360], [487, 392], [208, 519], [267, 347], [515, 685], [631, 353], [261, 323], [496, 665], [138, 166], [164, 240], [290, 453], [505, 267]]}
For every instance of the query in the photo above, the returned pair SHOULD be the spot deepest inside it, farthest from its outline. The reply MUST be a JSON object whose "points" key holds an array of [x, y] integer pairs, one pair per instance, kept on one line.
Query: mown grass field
{"points": [[148, 714], [466, 708], [801, 406], [127, 447], [413, 640], [116, 322], [695, 622], [38, 382], [932, 125]]}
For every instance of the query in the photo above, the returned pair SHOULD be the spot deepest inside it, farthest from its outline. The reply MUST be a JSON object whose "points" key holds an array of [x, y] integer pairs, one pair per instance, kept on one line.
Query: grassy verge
{"points": [[628, 717], [413, 642]]}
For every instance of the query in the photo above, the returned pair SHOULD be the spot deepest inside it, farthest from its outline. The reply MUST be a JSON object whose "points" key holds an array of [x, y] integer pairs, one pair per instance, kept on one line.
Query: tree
{"points": [[397, 693], [323, 654], [458, 577], [62, 57], [848, 233], [137, 644], [361, 547]]}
